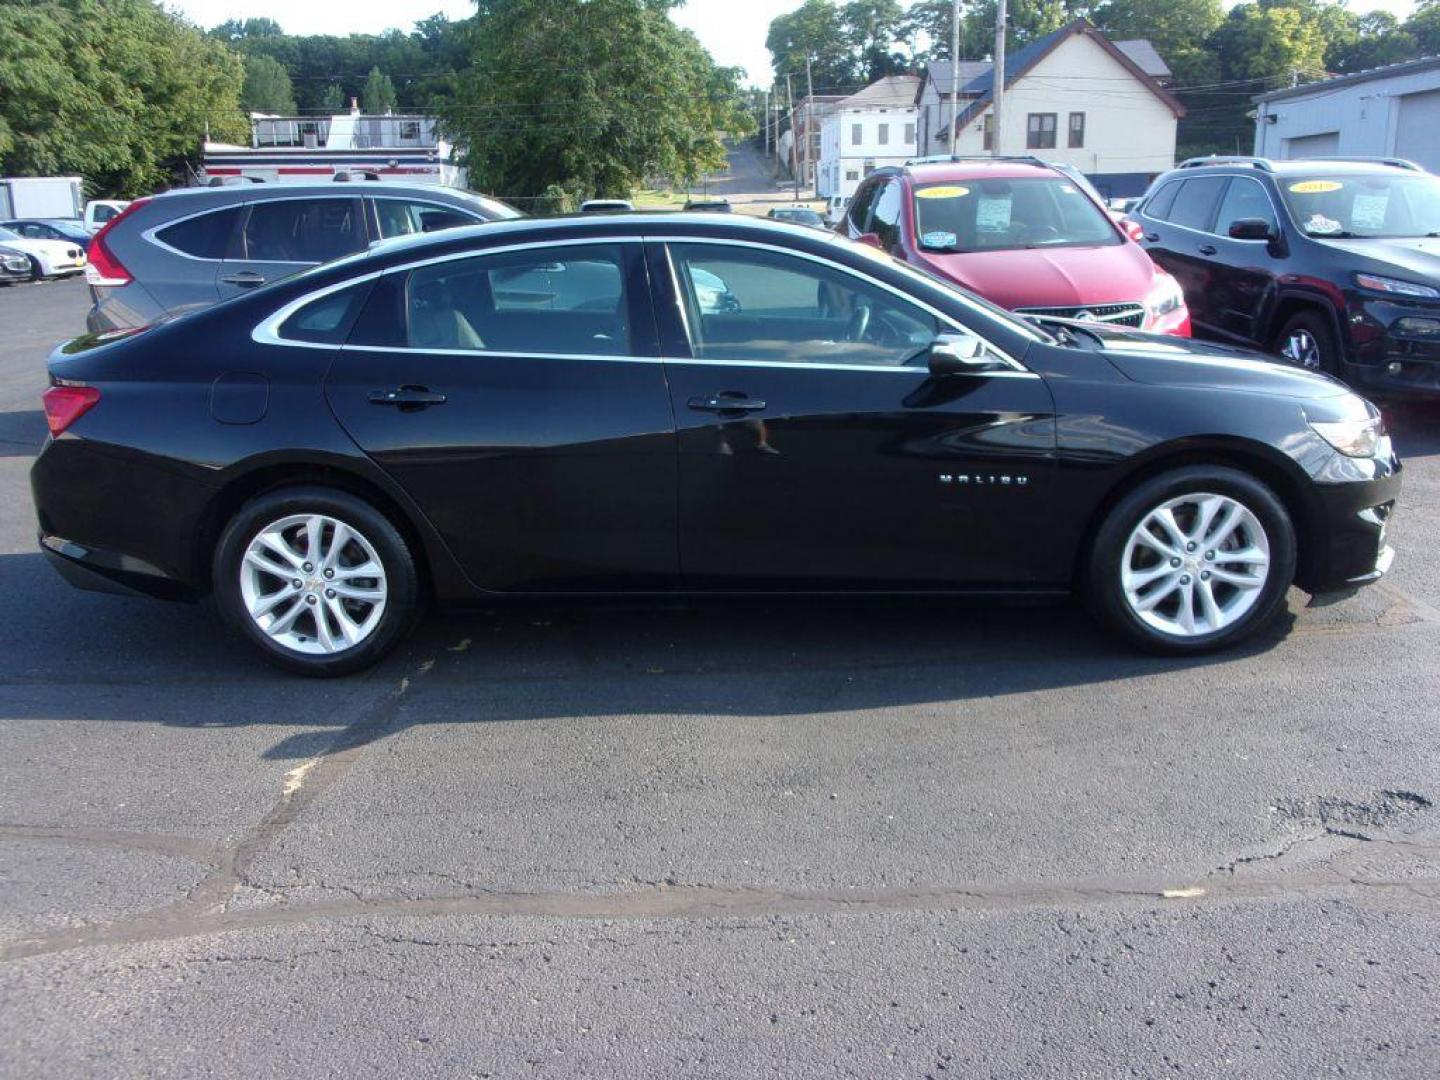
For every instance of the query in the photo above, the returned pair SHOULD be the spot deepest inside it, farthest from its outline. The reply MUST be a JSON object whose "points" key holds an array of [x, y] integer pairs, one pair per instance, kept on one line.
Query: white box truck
{"points": [[41, 197]]}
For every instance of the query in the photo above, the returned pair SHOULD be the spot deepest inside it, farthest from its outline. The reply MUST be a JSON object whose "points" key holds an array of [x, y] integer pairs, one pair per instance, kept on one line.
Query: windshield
{"points": [[6, 234], [1381, 204], [999, 215]]}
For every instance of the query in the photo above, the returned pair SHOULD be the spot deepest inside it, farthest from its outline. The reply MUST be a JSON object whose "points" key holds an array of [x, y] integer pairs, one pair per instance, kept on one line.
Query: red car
{"points": [[1022, 234]]}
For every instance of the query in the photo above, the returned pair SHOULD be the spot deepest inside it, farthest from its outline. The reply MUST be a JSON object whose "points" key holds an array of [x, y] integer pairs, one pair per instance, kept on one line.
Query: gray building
{"points": [[1391, 111]]}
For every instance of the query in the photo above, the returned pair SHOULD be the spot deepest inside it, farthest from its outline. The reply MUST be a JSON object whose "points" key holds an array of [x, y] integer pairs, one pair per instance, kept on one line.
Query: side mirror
{"points": [[870, 239], [1251, 228], [956, 354], [1133, 229]]}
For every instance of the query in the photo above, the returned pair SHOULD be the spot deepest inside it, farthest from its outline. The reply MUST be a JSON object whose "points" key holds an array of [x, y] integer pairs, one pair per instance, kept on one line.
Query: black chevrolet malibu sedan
{"points": [[692, 404]]}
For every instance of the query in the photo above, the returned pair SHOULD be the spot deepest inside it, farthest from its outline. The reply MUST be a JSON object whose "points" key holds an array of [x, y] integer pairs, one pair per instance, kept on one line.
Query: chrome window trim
{"points": [[267, 331], [943, 318]]}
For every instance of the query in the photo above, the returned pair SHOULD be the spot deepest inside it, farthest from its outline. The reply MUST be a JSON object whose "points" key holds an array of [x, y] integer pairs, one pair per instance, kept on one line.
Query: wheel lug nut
{"points": [[329, 573], [297, 583], [1204, 575], [1174, 562], [1210, 555], [1184, 579], [308, 567], [1190, 546], [310, 599], [330, 594]]}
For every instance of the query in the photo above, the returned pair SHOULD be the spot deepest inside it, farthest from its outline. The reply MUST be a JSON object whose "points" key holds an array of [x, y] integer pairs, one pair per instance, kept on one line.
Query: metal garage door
{"points": [[1326, 144], [1416, 134]]}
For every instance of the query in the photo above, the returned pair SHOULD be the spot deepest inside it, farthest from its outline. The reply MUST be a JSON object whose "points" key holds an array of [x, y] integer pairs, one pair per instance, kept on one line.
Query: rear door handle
{"points": [[1152, 237], [407, 397], [727, 401], [1207, 249], [246, 279]]}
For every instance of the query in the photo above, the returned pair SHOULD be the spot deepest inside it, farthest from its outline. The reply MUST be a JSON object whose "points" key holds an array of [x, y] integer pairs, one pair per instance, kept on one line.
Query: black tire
{"points": [[1310, 327], [35, 271], [402, 600], [1101, 574]]}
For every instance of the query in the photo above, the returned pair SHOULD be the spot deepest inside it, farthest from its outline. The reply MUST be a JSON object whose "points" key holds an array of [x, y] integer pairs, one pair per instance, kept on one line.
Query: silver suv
{"points": [[193, 247]]}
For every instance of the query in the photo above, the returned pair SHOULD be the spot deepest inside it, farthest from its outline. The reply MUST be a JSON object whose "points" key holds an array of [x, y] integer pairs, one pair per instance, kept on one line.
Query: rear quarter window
{"points": [[206, 236], [1158, 205], [327, 320]]}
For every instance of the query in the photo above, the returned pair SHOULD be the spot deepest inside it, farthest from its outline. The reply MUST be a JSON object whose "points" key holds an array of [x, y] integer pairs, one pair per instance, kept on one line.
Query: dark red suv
{"points": [[1021, 233]]}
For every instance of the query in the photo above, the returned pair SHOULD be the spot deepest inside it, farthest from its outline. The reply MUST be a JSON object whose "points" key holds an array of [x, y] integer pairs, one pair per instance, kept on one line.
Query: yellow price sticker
{"points": [[943, 191], [1315, 187]]}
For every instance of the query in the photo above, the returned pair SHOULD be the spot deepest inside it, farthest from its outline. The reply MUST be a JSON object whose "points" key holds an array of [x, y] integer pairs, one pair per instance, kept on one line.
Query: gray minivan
{"points": [[193, 247]]}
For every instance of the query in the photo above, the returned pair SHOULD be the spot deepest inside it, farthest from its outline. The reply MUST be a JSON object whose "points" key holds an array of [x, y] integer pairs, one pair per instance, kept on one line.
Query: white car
{"points": [[98, 213], [48, 258], [835, 209]]}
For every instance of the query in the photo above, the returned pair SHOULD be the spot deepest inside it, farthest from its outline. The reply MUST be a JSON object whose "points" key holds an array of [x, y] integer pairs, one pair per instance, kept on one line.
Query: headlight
{"points": [[1395, 286], [1165, 297], [1353, 438]]}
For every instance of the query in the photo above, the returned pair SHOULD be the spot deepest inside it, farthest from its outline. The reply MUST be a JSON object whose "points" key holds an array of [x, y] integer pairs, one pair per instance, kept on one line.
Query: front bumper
{"points": [[1349, 545], [1395, 347]]}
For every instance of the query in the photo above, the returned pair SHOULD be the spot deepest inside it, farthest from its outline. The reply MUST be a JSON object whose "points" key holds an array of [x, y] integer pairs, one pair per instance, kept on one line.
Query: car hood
{"points": [[1050, 277], [1167, 361], [1416, 258], [54, 249]]}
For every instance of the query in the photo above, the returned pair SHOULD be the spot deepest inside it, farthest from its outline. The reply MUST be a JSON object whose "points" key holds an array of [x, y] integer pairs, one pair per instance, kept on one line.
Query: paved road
{"points": [[775, 841]]}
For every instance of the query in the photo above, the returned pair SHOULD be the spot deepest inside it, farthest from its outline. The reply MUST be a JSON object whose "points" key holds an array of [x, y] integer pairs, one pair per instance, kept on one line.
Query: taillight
{"points": [[66, 404], [102, 267]]}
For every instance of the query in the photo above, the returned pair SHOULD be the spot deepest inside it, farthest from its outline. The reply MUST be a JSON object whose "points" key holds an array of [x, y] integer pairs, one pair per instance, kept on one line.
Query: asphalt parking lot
{"points": [[791, 840]]}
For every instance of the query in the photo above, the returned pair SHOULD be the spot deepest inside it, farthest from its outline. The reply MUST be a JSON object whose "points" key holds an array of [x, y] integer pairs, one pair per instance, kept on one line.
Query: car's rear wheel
{"points": [[320, 581], [37, 272], [1192, 560], [1308, 340]]}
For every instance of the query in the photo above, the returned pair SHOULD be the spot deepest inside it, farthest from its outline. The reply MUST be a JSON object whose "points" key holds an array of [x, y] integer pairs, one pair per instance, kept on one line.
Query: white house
{"points": [[1072, 96], [868, 129], [1392, 111]]}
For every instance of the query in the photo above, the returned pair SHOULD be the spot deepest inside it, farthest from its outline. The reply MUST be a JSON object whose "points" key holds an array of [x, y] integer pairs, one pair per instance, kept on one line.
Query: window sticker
{"points": [[939, 240], [944, 191], [993, 215], [1315, 187], [1320, 225], [1368, 211]]}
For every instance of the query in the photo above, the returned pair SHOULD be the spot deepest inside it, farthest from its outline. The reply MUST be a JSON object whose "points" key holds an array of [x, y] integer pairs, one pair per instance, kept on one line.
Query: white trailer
{"points": [[41, 197]]}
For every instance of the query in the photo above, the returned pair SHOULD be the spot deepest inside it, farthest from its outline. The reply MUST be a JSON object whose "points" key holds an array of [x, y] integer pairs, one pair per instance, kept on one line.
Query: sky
{"points": [[733, 30]]}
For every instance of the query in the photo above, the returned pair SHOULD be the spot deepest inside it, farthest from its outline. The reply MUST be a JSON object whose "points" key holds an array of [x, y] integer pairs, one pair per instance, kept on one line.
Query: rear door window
{"points": [[304, 230], [562, 300], [205, 236], [400, 217], [1195, 204]]}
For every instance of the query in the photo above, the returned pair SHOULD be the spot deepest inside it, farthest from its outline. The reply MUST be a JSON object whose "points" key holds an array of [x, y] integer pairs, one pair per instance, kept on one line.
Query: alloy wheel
{"points": [[1195, 565], [1301, 347], [313, 584]]}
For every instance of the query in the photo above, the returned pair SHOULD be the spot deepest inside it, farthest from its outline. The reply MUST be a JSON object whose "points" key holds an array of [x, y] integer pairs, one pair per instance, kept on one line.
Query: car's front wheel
{"points": [[1308, 341], [1192, 560], [320, 581]]}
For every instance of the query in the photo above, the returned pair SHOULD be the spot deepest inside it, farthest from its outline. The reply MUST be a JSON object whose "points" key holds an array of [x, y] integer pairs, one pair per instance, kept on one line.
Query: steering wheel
{"points": [[859, 323]]}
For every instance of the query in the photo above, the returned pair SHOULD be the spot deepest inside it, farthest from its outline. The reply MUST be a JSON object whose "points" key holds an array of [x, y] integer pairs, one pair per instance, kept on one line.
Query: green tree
{"points": [[1379, 39], [872, 32], [1270, 42], [267, 87], [814, 31], [332, 101], [378, 97], [1424, 26], [118, 91], [589, 98]]}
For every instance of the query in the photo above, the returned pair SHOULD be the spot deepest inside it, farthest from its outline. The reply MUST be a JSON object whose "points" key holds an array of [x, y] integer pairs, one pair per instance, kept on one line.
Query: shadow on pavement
{"points": [[22, 433]]}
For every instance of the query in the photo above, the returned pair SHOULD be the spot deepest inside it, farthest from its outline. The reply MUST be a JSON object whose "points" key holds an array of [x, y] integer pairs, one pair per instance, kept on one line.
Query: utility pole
{"points": [[794, 164], [997, 77], [809, 119], [954, 77], [765, 123]]}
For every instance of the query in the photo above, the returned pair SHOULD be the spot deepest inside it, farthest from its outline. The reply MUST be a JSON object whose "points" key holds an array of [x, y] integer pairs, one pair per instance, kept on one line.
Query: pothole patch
{"points": [[1387, 809]]}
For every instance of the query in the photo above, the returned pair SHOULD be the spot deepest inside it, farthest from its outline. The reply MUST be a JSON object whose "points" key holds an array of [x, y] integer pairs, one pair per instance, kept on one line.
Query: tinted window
{"points": [[204, 237], [103, 214], [1243, 199], [749, 304], [561, 300], [400, 218], [328, 319], [1195, 204], [885, 220], [303, 230], [860, 206], [1159, 205]]}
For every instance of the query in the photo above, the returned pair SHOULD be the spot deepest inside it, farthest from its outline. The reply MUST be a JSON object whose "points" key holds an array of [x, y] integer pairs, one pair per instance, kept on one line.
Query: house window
{"points": [[989, 131], [869, 166], [882, 134], [852, 174], [1040, 131], [909, 134], [1077, 129], [410, 129], [856, 136]]}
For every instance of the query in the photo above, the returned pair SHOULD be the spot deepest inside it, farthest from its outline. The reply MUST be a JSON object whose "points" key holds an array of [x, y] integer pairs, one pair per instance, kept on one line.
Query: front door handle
{"points": [[407, 397], [727, 401], [1207, 249], [246, 279], [1152, 237]]}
